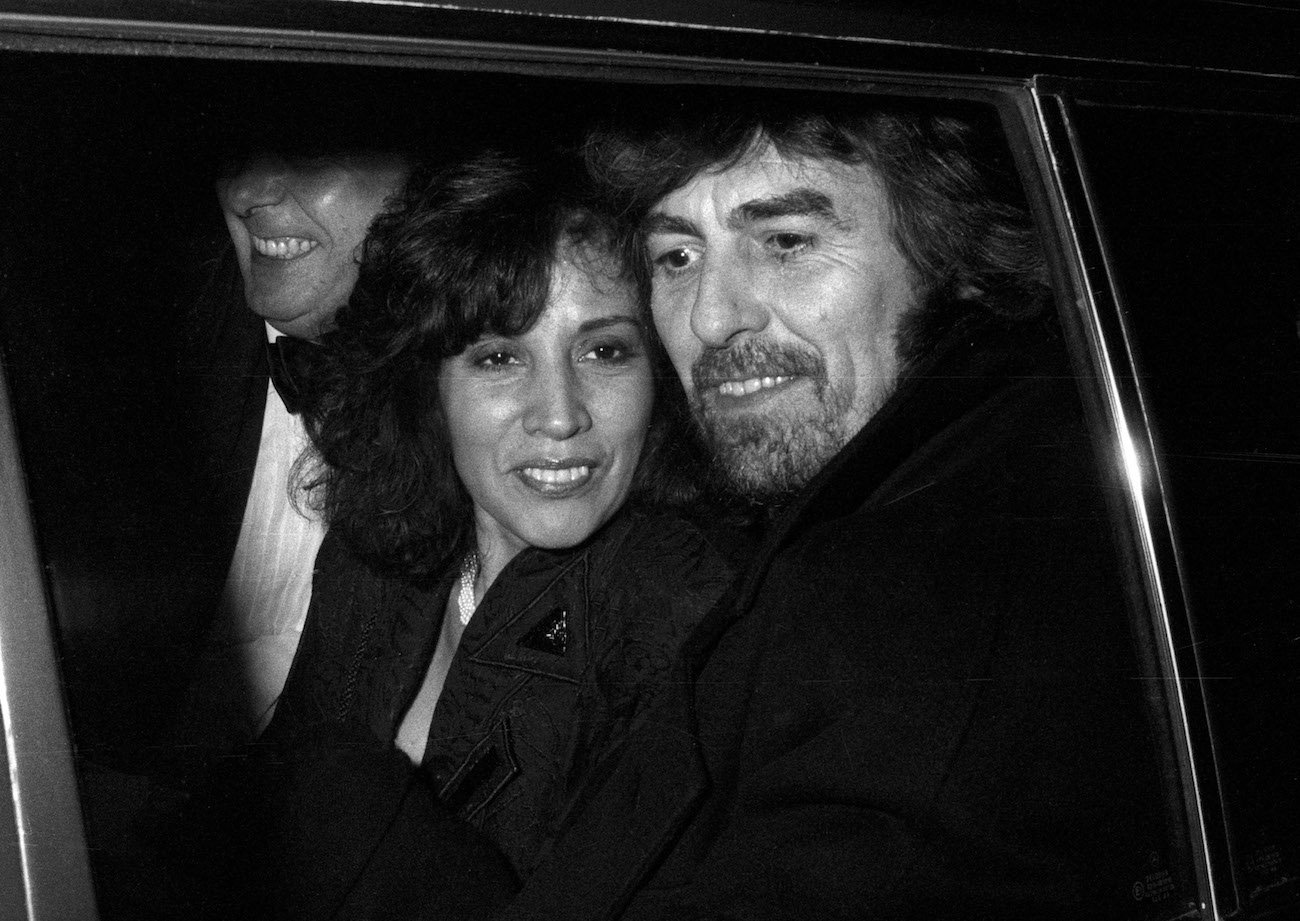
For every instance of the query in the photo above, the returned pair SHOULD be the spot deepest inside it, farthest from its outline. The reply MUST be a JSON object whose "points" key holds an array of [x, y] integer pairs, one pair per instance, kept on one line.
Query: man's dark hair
{"points": [[463, 252], [956, 210]]}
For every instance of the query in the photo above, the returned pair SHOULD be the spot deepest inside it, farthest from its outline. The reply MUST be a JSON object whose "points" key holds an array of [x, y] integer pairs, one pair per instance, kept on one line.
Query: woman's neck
{"points": [[493, 556]]}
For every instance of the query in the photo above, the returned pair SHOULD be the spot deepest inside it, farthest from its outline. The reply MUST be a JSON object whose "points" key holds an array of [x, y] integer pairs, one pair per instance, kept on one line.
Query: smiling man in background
{"points": [[296, 223], [297, 217]]}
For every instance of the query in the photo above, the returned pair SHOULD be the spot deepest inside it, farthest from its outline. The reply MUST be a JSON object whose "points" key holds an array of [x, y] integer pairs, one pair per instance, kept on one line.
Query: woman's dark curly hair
{"points": [[463, 252], [957, 212]]}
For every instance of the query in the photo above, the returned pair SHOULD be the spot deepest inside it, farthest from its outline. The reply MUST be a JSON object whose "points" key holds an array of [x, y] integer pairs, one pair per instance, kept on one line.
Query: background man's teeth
{"points": [[283, 248]]}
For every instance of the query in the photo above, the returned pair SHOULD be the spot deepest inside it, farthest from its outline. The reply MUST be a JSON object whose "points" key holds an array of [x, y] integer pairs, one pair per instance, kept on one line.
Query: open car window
{"points": [[111, 240]]}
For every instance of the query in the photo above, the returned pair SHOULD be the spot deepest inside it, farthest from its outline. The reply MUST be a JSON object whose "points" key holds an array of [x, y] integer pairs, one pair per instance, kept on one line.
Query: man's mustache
{"points": [[755, 358]]}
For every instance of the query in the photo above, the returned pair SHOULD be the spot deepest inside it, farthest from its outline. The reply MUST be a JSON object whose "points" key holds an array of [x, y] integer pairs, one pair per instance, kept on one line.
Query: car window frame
{"points": [[1034, 113], [1112, 345], [43, 809]]}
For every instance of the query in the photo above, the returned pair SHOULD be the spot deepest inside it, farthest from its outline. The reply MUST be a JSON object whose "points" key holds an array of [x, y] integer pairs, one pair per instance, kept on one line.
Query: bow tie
{"points": [[290, 361]]}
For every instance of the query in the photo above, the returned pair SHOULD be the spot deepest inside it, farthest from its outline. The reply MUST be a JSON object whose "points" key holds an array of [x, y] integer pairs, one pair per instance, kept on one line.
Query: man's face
{"points": [[297, 225], [778, 291]]}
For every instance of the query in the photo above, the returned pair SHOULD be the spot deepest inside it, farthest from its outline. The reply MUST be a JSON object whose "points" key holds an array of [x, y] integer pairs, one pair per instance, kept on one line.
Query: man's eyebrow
{"points": [[658, 222], [795, 203]]}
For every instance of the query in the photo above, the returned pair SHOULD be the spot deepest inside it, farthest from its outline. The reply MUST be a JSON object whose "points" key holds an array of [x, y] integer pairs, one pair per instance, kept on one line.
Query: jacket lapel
{"points": [[546, 634], [964, 372], [532, 626]]}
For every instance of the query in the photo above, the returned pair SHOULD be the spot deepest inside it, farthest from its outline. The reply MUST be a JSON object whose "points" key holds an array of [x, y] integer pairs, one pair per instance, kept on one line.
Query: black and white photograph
{"points": [[585, 460]]}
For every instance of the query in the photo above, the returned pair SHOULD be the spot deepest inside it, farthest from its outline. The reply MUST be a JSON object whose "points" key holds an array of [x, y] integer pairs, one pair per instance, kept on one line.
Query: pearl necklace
{"points": [[468, 574]]}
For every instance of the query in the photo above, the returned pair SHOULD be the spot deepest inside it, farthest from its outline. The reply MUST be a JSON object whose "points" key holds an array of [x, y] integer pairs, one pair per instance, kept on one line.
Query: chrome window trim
{"points": [[42, 784], [1096, 39], [20, 32], [1135, 458]]}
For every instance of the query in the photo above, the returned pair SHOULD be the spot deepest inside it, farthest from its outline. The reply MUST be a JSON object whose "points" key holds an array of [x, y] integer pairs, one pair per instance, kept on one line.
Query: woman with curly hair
{"points": [[503, 585]]}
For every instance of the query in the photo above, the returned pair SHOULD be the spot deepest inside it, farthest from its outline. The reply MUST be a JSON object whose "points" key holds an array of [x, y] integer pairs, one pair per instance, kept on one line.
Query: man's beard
{"points": [[767, 456]]}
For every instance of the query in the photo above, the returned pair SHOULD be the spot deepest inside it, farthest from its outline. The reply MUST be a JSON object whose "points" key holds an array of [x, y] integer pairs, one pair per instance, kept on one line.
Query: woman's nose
{"points": [[727, 303], [257, 182], [557, 408]]}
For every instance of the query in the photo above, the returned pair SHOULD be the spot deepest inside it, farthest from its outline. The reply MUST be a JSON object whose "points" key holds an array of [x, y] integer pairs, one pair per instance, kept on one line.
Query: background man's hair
{"points": [[463, 251], [956, 209]]}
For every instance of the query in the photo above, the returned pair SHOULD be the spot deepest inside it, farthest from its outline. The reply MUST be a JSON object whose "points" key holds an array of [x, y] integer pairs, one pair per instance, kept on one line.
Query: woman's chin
{"points": [[566, 531]]}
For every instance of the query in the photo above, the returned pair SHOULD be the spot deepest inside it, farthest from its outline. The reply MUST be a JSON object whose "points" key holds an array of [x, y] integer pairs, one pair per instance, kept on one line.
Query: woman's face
{"points": [[546, 427]]}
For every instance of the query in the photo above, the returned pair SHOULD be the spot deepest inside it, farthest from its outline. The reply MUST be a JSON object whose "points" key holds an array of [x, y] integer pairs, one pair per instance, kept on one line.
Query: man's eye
{"points": [[787, 242], [674, 260]]}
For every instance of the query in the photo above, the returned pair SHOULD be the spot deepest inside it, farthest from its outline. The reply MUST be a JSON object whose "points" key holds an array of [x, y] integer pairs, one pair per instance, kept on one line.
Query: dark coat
{"points": [[141, 579], [198, 487], [223, 374], [920, 700], [564, 650]]}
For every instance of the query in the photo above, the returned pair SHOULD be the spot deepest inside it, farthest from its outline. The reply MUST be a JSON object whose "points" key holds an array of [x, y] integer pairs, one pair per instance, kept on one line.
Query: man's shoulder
{"points": [[981, 417], [218, 328], [654, 577], [668, 546]]}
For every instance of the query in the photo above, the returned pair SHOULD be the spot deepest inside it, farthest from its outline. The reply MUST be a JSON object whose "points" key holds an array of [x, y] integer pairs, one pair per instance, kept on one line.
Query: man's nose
{"points": [[728, 302], [257, 182], [557, 406]]}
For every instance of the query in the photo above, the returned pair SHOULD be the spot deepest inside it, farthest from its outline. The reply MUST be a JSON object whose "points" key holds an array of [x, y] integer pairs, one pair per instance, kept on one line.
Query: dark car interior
{"points": [[110, 230]]}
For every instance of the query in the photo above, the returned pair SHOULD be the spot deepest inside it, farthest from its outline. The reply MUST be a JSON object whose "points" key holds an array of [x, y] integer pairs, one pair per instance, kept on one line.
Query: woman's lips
{"points": [[282, 247], [556, 479]]}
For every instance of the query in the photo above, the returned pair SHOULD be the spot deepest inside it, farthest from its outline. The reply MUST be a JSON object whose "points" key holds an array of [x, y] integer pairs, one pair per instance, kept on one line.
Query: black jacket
{"points": [[921, 701], [563, 652]]}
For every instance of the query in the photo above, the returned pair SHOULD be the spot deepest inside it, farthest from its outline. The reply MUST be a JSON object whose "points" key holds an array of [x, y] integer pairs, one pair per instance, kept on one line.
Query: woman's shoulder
{"points": [[362, 627], [344, 578], [342, 581]]}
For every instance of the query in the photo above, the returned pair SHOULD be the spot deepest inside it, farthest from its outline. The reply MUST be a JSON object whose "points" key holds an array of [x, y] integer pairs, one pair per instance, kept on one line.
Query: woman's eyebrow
{"points": [[795, 203], [618, 319]]}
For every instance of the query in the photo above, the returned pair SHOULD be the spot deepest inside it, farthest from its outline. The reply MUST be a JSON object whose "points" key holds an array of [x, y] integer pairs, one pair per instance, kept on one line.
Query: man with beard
{"points": [[918, 701]]}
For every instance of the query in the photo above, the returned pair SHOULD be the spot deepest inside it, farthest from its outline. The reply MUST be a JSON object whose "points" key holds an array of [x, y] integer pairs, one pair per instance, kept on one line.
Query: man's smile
{"points": [[282, 247], [752, 374], [740, 388]]}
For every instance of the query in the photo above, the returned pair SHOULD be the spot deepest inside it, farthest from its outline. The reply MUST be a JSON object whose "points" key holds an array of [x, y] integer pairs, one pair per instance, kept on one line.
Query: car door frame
{"points": [[1035, 110]]}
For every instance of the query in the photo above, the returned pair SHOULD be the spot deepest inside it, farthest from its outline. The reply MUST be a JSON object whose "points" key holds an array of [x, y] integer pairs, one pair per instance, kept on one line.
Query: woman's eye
{"points": [[495, 359], [674, 260], [609, 352]]}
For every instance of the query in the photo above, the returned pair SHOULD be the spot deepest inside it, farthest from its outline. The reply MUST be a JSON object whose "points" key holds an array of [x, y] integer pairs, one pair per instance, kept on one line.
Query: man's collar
{"points": [[290, 361], [962, 372]]}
